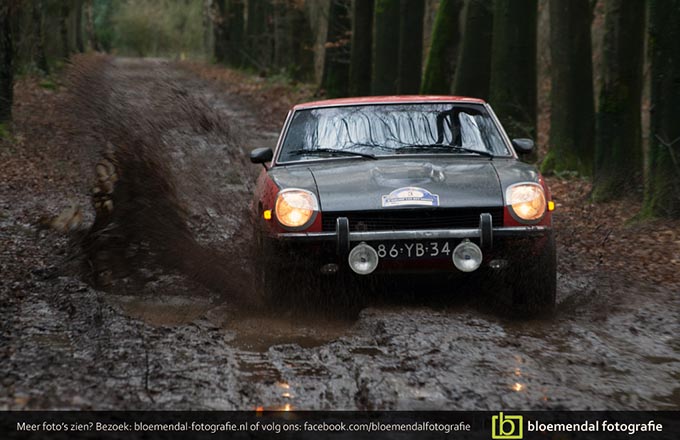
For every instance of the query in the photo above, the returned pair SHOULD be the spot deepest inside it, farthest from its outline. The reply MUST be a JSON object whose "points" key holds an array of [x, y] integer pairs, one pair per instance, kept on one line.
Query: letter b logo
{"points": [[506, 427]]}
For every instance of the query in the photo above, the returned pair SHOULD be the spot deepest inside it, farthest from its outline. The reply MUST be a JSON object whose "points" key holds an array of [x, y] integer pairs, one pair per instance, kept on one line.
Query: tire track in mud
{"points": [[168, 340]]}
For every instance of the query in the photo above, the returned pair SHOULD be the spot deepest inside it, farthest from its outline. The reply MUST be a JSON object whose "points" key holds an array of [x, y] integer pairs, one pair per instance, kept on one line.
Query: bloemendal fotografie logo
{"points": [[507, 427]]}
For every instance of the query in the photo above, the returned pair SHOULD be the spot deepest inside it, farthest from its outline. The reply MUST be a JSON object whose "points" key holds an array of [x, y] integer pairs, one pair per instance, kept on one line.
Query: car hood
{"points": [[449, 182]]}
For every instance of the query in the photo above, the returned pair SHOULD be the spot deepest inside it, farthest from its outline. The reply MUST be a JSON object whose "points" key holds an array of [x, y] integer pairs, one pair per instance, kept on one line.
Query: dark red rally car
{"points": [[430, 186]]}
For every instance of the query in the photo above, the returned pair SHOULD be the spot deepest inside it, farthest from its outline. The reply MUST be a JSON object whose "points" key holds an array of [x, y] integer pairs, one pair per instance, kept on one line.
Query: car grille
{"points": [[440, 218]]}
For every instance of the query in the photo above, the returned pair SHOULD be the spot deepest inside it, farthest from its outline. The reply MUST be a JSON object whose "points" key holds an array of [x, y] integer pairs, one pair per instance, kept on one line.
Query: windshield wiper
{"points": [[331, 151], [441, 147], [470, 150]]}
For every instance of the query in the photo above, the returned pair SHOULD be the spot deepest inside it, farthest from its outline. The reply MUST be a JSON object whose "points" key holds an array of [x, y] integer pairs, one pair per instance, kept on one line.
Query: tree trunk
{"points": [[208, 16], [441, 60], [236, 31], [512, 89], [618, 155], [385, 47], [572, 110], [79, 26], [6, 69], [662, 195], [258, 53], [362, 41], [335, 77], [302, 68], [220, 26], [473, 69], [63, 30], [283, 35], [410, 46], [89, 26], [37, 18], [431, 7]]}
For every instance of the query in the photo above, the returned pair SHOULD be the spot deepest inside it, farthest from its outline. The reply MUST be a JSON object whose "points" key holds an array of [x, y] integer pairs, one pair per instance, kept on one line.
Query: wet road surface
{"points": [[173, 344]]}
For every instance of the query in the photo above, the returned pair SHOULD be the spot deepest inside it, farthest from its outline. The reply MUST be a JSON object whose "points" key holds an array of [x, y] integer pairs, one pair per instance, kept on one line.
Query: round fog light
{"points": [[467, 256], [363, 259]]}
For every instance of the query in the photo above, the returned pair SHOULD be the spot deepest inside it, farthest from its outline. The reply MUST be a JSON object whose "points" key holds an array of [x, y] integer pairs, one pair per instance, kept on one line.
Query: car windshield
{"points": [[372, 131]]}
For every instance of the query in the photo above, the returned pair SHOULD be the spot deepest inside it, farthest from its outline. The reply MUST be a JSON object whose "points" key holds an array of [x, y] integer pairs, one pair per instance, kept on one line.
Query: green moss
{"points": [[48, 84], [548, 165], [605, 191], [561, 158], [4, 131], [440, 62]]}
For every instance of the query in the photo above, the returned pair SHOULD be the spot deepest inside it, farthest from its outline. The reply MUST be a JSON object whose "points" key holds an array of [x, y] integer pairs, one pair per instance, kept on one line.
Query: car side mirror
{"points": [[261, 155], [523, 145]]}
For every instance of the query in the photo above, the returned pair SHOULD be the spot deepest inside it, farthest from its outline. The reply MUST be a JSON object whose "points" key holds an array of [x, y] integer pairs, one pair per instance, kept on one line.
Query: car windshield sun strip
{"points": [[303, 152], [441, 147]]}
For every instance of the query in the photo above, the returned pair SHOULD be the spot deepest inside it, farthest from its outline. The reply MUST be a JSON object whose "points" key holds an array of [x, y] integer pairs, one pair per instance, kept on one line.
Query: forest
{"points": [[128, 279], [614, 95]]}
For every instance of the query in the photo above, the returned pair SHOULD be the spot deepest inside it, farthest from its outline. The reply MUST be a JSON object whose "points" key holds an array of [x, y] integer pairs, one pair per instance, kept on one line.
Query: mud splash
{"points": [[151, 195]]}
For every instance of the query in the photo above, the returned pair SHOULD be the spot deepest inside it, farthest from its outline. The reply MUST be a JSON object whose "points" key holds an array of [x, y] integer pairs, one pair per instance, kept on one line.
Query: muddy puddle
{"points": [[162, 311], [248, 330]]}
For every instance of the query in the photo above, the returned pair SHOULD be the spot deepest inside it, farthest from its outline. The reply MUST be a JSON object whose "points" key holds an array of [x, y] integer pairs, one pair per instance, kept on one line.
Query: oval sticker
{"points": [[410, 195]]}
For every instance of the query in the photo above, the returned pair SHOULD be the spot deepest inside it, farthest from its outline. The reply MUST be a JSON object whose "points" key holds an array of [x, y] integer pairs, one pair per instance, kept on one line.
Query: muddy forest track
{"points": [[162, 339]]}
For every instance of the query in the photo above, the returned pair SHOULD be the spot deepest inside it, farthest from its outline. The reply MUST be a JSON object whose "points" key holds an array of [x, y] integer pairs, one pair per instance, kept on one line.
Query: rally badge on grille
{"points": [[410, 195]]}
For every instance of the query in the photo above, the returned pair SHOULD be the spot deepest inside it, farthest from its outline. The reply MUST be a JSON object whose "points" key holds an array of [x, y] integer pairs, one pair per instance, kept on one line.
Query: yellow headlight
{"points": [[295, 207], [527, 201]]}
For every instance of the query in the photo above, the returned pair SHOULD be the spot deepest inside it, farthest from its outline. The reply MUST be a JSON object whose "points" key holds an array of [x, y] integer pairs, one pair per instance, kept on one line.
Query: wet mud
{"points": [[152, 304]]}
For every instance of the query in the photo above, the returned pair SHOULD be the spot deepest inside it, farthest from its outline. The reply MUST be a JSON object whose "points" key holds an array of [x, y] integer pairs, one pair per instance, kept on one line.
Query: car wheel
{"points": [[534, 283]]}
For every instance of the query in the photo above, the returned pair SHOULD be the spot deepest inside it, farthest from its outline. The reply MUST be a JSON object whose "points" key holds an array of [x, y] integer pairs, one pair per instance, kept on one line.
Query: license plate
{"points": [[397, 250]]}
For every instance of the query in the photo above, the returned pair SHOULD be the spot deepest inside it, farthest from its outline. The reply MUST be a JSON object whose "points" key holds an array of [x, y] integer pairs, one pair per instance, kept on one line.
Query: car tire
{"points": [[534, 283]]}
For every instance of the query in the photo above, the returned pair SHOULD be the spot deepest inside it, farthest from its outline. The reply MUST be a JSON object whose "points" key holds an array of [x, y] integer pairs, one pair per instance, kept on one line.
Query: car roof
{"points": [[397, 99]]}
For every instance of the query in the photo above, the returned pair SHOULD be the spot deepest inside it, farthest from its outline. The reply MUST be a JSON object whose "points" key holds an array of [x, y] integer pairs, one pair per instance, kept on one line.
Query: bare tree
{"points": [[219, 16], [410, 46], [6, 62], [662, 195], [513, 65], [64, 12], [473, 69], [335, 78], [441, 60], [78, 25], [618, 148], [38, 34], [385, 47], [572, 107], [89, 26], [362, 41]]}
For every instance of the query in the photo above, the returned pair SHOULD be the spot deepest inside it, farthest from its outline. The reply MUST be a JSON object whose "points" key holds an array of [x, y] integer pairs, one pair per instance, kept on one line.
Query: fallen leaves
{"points": [[608, 236]]}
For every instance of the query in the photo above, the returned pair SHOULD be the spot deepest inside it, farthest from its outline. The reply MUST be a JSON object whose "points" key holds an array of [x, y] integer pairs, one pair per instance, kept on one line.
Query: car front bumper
{"points": [[485, 234], [502, 247]]}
